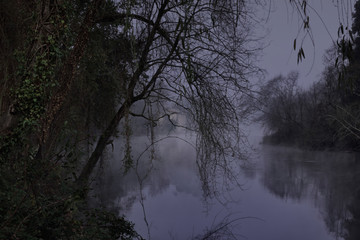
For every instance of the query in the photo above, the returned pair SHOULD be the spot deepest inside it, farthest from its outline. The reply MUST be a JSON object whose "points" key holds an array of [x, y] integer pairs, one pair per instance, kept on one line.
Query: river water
{"points": [[284, 194]]}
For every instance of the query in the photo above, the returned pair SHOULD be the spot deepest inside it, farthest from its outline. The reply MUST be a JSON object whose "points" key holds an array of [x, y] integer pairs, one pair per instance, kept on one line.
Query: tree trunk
{"points": [[107, 134], [68, 71], [101, 145]]}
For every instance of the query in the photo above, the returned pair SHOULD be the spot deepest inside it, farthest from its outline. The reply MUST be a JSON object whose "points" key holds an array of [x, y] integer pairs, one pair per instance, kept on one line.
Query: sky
{"points": [[282, 27]]}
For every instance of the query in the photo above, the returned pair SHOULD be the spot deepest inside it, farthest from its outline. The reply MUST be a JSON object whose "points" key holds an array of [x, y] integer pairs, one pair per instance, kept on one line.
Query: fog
{"points": [[285, 193]]}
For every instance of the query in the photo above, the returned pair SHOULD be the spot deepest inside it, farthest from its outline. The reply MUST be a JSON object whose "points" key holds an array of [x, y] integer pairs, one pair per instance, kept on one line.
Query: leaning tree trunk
{"points": [[101, 145], [130, 99]]}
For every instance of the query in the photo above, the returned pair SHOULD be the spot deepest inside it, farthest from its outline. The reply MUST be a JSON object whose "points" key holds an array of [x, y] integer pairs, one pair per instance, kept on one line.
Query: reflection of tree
{"points": [[328, 179], [353, 225], [223, 229], [282, 177], [173, 163]]}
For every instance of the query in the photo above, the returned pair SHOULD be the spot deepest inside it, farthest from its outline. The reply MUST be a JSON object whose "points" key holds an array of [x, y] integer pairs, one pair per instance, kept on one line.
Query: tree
{"points": [[321, 117], [155, 60], [335, 97], [279, 107], [348, 83], [192, 57], [45, 43]]}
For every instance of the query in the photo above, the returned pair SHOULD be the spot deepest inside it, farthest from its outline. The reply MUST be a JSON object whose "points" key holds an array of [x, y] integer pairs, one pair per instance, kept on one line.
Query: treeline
{"points": [[325, 116]]}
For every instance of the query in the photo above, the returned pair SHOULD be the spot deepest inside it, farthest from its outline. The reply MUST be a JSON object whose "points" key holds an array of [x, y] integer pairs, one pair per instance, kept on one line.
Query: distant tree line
{"points": [[325, 116]]}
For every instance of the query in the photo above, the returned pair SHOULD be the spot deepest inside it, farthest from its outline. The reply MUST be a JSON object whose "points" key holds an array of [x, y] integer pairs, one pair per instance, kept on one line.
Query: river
{"points": [[284, 194]]}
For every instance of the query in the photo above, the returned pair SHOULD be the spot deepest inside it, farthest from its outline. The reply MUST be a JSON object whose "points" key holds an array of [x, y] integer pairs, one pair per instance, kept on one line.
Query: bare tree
{"points": [[279, 104], [192, 58]]}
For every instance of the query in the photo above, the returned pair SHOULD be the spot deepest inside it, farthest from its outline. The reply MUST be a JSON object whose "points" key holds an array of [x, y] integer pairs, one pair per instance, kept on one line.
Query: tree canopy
{"points": [[75, 74]]}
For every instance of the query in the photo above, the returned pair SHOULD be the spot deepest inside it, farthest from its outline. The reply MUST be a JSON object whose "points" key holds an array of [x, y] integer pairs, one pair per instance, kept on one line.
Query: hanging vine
{"points": [[127, 161], [37, 64]]}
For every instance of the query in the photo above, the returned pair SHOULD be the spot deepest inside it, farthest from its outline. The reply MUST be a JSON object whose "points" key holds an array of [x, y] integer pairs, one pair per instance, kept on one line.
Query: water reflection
{"points": [[289, 189], [353, 225], [329, 179], [174, 162]]}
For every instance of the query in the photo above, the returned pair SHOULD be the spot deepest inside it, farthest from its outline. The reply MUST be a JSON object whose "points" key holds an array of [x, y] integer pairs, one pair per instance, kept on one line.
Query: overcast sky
{"points": [[283, 25]]}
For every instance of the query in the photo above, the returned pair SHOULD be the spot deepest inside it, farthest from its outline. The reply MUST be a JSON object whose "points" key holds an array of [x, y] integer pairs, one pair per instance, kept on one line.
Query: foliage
{"points": [[322, 117], [189, 58], [47, 208], [38, 196], [326, 115], [80, 70], [345, 34]]}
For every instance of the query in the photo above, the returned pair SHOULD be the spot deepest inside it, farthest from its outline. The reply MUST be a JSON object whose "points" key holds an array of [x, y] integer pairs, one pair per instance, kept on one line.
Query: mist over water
{"points": [[285, 193]]}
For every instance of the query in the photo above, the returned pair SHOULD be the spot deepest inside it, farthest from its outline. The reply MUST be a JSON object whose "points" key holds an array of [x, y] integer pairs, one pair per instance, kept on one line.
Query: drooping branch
{"points": [[189, 57], [130, 99]]}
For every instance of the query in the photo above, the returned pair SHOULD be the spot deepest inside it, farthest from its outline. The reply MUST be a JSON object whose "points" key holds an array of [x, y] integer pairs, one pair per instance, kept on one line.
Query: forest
{"points": [[326, 115], [76, 75]]}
